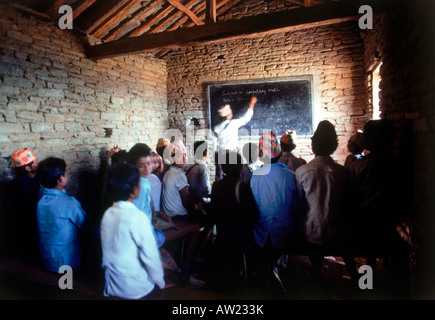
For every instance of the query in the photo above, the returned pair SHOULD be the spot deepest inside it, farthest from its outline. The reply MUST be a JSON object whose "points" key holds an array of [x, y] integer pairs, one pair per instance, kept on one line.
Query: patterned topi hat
{"points": [[114, 150], [23, 157], [269, 145], [163, 142], [157, 160], [288, 138], [178, 146]]}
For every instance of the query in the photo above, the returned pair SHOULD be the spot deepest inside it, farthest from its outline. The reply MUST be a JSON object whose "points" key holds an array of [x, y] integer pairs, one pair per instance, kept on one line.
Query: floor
{"points": [[21, 281]]}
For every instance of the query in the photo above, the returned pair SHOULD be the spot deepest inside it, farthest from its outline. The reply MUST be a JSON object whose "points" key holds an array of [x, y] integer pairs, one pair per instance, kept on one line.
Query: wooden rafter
{"points": [[210, 14], [298, 2], [96, 14], [114, 19], [173, 17], [155, 18], [135, 20], [197, 10], [191, 15], [222, 8], [233, 29], [82, 7], [53, 11]]}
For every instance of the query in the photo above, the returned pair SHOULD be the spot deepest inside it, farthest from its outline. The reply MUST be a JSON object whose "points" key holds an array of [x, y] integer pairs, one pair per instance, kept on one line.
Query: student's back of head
{"points": [[287, 141], [121, 183], [355, 145], [49, 171], [119, 157], [200, 149], [324, 141], [379, 135], [232, 165], [250, 152]]}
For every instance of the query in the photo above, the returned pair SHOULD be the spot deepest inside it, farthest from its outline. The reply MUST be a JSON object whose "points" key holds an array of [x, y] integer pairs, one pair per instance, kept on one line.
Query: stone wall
{"points": [[333, 55], [57, 102]]}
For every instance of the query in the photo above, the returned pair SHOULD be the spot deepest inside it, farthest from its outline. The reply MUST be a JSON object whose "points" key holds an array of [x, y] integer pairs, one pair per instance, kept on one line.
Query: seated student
{"points": [[233, 209], [274, 189], [250, 153], [287, 146], [140, 156], [198, 174], [23, 193], [162, 148], [59, 217], [355, 145], [177, 203], [131, 259], [323, 186]]}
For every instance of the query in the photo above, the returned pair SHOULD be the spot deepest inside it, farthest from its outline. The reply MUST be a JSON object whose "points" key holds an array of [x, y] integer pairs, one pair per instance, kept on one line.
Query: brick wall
{"points": [[57, 102], [333, 55]]}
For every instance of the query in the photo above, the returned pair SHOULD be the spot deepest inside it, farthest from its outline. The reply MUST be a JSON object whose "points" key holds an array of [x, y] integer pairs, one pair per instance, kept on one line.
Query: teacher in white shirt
{"points": [[227, 131]]}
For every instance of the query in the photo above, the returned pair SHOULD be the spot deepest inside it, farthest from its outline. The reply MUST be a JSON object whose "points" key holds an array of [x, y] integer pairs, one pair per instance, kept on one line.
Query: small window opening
{"points": [[376, 90]]}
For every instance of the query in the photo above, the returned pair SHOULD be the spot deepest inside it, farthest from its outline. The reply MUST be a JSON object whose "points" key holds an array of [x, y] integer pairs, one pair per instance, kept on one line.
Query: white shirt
{"points": [[228, 131], [131, 260], [322, 186], [198, 177], [173, 181]]}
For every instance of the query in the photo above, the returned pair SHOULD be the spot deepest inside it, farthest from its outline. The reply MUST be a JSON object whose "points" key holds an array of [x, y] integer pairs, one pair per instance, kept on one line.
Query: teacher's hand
{"points": [[252, 102]]}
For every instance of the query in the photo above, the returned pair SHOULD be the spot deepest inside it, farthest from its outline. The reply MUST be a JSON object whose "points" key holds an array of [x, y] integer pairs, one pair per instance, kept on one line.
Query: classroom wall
{"points": [[57, 102], [333, 55]]}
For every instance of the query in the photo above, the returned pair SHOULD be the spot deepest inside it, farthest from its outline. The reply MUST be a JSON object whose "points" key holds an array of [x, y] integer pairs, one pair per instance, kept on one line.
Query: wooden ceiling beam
{"points": [[53, 11], [171, 19], [148, 23], [120, 14], [222, 8], [189, 13], [298, 2], [197, 10], [283, 21], [136, 18], [96, 14], [82, 6], [210, 13]]}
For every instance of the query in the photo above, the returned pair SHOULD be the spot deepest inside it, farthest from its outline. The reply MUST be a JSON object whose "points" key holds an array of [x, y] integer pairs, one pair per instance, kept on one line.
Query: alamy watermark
{"points": [[366, 20], [66, 281], [366, 280], [66, 21]]}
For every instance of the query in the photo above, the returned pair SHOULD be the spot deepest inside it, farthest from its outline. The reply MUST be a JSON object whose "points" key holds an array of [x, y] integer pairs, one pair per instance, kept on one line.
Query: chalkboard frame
{"points": [[308, 78]]}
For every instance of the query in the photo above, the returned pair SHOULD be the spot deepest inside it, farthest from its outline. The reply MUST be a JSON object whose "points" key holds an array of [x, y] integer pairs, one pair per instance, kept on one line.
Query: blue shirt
{"points": [[275, 193], [59, 217], [143, 203]]}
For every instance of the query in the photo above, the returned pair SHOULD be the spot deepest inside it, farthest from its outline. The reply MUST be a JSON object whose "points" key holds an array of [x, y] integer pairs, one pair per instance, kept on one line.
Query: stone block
{"points": [[51, 93], [41, 127]]}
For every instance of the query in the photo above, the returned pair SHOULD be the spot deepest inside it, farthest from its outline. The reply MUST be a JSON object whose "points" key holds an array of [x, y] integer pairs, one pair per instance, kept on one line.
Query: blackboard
{"points": [[282, 104]]}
